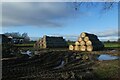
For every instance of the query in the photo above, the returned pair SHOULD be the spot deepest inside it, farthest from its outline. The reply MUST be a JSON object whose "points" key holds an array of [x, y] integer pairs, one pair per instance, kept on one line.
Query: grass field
{"points": [[107, 70], [24, 45], [71, 43], [112, 45]]}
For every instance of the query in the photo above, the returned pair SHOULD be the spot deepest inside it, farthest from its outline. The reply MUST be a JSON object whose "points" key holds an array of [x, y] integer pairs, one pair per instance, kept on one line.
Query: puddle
{"points": [[61, 65], [107, 57], [93, 57], [27, 52]]}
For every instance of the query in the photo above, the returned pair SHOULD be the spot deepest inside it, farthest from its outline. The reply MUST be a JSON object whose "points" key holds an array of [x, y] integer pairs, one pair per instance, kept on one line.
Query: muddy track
{"points": [[25, 72], [43, 67]]}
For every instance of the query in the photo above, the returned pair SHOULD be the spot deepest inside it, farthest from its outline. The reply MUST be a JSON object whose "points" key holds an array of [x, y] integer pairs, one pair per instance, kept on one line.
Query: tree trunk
{"points": [[83, 34], [89, 48], [80, 39], [82, 48], [77, 48], [71, 47], [82, 43], [77, 43]]}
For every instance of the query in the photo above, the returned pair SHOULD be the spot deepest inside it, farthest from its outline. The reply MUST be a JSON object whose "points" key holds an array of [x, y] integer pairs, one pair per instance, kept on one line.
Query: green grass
{"points": [[112, 45], [24, 45], [106, 69], [71, 43]]}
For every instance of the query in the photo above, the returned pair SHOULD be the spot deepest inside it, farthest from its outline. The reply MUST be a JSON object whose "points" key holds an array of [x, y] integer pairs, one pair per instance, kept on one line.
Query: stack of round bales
{"points": [[87, 42]]}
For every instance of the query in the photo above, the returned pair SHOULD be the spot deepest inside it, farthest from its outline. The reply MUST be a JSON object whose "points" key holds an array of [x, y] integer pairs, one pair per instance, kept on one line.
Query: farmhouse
{"points": [[4, 39], [10, 39], [17, 40], [51, 42]]}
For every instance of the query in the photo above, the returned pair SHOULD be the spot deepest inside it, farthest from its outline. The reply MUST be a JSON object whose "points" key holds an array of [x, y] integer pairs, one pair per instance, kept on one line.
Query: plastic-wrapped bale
{"points": [[95, 47], [93, 43], [90, 38], [84, 34], [53, 42]]}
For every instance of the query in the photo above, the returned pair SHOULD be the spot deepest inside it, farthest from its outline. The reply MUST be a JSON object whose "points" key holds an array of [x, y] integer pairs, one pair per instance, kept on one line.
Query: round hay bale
{"points": [[82, 48], [71, 47]]}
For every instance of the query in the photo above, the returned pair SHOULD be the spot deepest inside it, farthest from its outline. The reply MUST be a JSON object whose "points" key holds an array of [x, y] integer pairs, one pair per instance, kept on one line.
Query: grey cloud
{"points": [[35, 14], [107, 33], [65, 35]]}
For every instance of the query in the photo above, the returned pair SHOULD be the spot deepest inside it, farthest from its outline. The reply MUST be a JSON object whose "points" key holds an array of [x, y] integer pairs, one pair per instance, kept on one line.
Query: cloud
{"points": [[108, 33], [59, 0], [65, 35], [111, 38], [111, 35], [40, 14]]}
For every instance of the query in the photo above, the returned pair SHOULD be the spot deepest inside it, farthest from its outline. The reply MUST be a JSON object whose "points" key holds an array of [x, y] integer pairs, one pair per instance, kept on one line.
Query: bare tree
{"points": [[26, 37], [105, 5]]}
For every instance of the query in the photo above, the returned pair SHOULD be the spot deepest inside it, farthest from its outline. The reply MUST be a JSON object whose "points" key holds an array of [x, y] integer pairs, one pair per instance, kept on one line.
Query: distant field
{"points": [[24, 45], [112, 45], [71, 43]]}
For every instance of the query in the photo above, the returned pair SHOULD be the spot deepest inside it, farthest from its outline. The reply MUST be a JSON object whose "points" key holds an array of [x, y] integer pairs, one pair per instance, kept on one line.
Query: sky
{"points": [[60, 19]]}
